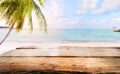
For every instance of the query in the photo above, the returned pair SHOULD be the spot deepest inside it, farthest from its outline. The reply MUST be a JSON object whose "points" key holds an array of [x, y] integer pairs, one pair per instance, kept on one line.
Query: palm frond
{"points": [[42, 2], [41, 17], [15, 12]]}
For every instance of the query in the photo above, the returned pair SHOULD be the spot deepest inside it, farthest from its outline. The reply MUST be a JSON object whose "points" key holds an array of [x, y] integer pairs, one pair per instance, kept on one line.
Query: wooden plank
{"points": [[62, 58], [67, 51], [72, 64]]}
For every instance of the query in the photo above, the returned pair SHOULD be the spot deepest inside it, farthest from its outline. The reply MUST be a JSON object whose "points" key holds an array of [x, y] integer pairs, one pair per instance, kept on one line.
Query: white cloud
{"points": [[104, 23], [107, 5], [55, 15], [116, 19], [87, 5], [57, 7], [90, 6], [54, 8]]}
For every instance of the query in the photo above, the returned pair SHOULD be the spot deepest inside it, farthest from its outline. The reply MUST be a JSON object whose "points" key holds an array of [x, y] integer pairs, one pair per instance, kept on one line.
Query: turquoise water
{"points": [[65, 35]]}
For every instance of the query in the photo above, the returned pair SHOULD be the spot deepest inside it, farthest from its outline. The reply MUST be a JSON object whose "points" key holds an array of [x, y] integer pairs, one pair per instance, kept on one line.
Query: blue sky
{"points": [[78, 14]]}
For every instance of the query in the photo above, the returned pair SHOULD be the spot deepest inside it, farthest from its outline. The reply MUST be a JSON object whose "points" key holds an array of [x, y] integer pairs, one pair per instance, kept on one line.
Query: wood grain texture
{"points": [[72, 64], [67, 51], [63, 58]]}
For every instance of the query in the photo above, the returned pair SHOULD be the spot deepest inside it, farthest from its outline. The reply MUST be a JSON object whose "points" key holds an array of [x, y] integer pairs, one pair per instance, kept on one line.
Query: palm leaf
{"points": [[42, 2], [40, 16], [17, 10]]}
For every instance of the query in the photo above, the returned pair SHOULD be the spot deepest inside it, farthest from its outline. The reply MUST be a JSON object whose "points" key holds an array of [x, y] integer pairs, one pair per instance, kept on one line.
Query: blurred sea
{"points": [[62, 36]]}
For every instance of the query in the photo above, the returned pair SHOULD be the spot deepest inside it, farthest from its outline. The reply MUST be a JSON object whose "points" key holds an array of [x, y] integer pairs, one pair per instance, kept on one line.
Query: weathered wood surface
{"points": [[63, 58], [72, 64], [67, 51]]}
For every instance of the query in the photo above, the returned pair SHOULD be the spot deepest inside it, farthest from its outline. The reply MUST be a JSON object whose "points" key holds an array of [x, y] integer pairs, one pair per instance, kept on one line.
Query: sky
{"points": [[80, 14]]}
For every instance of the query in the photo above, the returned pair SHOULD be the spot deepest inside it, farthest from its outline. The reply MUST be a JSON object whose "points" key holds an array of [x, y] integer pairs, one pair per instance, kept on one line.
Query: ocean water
{"points": [[62, 35]]}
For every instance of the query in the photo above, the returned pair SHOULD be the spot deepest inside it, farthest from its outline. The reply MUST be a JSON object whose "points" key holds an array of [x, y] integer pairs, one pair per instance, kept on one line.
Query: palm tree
{"points": [[15, 12]]}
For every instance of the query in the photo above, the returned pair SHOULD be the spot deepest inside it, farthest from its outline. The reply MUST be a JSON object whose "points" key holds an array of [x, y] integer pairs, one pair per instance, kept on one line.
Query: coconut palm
{"points": [[15, 11]]}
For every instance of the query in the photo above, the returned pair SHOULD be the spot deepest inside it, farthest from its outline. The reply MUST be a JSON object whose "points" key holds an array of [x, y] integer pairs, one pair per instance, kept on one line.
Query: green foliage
{"points": [[42, 2], [15, 12]]}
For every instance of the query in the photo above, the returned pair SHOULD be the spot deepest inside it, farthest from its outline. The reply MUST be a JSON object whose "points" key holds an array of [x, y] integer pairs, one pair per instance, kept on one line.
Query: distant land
{"points": [[4, 27]]}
